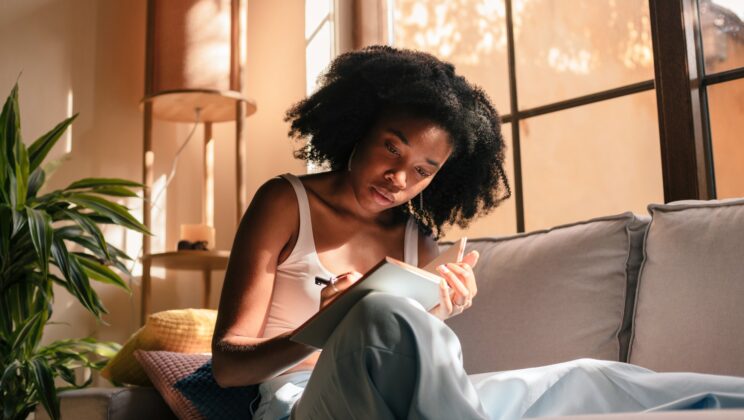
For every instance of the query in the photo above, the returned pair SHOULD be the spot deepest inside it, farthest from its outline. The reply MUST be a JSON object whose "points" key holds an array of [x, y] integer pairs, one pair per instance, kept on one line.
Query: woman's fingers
{"points": [[455, 283], [445, 301], [338, 285], [471, 258], [465, 273]]}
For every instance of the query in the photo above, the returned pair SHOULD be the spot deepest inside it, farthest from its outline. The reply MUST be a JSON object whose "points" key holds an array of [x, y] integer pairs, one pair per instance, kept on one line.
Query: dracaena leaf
{"points": [[35, 181], [76, 278], [103, 182], [9, 124], [101, 273], [114, 191], [116, 212], [22, 171], [44, 383], [22, 333], [89, 226], [41, 147], [40, 228]]}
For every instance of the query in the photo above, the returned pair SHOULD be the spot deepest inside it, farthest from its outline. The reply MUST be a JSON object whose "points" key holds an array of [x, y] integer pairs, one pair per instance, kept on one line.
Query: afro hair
{"points": [[356, 89]]}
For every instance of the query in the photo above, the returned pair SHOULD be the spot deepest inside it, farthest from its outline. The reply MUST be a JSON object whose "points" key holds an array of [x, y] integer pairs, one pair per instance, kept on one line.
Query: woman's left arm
{"points": [[458, 297]]}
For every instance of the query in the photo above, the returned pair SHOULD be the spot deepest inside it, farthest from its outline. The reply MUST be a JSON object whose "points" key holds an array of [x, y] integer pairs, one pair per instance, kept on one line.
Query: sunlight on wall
{"points": [[68, 139], [159, 218]]}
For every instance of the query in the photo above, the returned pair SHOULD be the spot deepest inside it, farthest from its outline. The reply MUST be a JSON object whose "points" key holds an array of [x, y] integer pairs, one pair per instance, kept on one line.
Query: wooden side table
{"points": [[204, 261]]}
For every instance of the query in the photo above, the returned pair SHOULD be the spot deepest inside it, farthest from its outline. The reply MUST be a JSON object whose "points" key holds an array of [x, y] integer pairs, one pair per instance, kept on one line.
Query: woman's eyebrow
{"points": [[403, 138], [400, 135]]}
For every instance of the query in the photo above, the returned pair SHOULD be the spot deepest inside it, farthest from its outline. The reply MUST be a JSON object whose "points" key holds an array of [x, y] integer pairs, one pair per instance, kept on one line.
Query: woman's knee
{"points": [[381, 320]]}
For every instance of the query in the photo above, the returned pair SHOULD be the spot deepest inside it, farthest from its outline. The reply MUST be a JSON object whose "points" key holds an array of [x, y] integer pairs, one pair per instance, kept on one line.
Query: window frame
{"points": [[681, 92]]}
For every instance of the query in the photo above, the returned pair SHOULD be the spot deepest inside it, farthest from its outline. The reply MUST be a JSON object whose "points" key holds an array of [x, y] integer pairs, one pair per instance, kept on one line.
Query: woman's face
{"points": [[397, 160]]}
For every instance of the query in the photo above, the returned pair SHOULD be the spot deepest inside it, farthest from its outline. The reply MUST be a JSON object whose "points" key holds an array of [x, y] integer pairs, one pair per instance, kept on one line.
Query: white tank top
{"points": [[296, 297]]}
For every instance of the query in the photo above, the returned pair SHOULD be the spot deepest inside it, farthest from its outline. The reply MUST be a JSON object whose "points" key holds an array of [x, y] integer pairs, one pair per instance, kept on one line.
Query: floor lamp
{"points": [[195, 53]]}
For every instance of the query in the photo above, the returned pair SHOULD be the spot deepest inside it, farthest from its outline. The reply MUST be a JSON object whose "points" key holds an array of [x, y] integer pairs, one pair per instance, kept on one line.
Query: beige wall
{"points": [[95, 51]]}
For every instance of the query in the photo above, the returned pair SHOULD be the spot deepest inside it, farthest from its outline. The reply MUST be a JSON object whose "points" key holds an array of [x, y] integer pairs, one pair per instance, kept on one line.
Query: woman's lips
{"points": [[382, 197]]}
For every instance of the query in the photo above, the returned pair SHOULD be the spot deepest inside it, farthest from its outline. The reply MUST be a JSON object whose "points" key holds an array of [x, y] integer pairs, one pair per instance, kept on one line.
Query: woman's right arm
{"points": [[239, 357]]}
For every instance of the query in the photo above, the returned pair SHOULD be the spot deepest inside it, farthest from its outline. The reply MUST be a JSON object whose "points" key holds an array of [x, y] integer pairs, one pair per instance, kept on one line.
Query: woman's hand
{"points": [[329, 293], [462, 288]]}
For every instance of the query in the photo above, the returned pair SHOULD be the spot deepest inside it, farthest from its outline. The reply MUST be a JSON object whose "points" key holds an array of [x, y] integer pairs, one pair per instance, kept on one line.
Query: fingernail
{"points": [[443, 268]]}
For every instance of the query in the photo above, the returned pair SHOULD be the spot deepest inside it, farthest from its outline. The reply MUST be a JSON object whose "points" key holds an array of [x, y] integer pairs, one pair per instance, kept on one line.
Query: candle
{"points": [[196, 233]]}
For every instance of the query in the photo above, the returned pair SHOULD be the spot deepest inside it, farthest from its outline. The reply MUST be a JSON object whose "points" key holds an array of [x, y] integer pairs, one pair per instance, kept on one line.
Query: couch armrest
{"points": [[140, 403]]}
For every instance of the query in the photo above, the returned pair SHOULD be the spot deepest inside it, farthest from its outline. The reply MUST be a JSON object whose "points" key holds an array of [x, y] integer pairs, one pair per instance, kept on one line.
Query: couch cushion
{"points": [[552, 295], [186, 383], [178, 330], [689, 314]]}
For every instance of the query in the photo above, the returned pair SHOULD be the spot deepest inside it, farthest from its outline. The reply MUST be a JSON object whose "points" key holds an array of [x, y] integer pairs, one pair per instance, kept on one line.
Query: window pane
{"points": [[591, 161], [503, 220], [723, 34], [471, 34], [726, 104], [570, 48]]}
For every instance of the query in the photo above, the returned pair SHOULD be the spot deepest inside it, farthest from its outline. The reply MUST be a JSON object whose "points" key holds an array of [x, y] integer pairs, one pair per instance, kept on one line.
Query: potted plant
{"points": [[35, 232]]}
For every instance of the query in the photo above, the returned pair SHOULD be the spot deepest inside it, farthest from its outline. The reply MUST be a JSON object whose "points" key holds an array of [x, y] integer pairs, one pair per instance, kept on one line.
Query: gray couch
{"points": [[664, 291]]}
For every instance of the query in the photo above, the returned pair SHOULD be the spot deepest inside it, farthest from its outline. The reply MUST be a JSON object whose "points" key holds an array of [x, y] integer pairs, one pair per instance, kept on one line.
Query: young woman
{"points": [[411, 147]]}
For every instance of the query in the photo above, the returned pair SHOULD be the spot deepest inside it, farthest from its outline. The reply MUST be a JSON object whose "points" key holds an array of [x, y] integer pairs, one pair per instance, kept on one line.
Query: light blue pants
{"points": [[389, 359]]}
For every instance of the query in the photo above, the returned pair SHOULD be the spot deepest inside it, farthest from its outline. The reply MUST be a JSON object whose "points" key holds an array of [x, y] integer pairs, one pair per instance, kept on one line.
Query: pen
{"points": [[320, 281]]}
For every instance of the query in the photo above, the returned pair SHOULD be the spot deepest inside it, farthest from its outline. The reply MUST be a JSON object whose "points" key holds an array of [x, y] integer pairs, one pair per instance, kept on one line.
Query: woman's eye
{"points": [[392, 149], [422, 172]]}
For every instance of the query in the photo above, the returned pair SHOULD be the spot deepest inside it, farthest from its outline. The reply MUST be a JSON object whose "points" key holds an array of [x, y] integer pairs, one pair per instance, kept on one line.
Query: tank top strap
{"points": [[410, 244], [305, 239]]}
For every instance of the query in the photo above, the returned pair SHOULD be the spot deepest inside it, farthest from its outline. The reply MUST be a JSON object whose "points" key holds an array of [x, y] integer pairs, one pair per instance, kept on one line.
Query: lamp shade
{"points": [[194, 59]]}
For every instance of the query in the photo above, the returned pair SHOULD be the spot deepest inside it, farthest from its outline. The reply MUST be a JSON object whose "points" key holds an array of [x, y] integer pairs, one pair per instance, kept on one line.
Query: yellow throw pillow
{"points": [[178, 330]]}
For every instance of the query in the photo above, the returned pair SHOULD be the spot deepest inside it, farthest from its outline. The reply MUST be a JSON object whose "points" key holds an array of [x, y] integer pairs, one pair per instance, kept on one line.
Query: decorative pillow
{"points": [[179, 330], [186, 383], [689, 313], [552, 295]]}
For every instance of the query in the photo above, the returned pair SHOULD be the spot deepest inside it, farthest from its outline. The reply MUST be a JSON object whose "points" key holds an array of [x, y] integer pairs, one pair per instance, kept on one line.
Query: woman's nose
{"points": [[397, 178]]}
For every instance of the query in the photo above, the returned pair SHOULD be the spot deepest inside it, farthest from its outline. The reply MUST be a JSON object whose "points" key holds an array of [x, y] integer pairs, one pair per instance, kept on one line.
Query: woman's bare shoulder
{"points": [[273, 209]]}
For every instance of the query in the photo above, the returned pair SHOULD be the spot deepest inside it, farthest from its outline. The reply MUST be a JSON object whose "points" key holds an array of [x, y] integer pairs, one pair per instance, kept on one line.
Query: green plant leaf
{"points": [[44, 382], [6, 230], [35, 181], [103, 182], [10, 371], [116, 212], [21, 175], [41, 147], [92, 229], [19, 338], [101, 273], [8, 133], [40, 228], [76, 278], [114, 191]]}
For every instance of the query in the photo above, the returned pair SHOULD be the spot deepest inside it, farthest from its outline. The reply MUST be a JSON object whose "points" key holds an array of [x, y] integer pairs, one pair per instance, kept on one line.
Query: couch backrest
{"points": [[690, 302], [553, 295]]}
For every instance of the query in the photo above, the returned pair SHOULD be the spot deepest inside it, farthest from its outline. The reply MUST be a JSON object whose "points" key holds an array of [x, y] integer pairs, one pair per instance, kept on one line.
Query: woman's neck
{"points": [[338, 193]]}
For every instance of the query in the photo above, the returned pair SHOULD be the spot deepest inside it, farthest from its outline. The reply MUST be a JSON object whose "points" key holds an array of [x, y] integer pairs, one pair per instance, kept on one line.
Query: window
{"points": [[573, 80], [607, 105]]}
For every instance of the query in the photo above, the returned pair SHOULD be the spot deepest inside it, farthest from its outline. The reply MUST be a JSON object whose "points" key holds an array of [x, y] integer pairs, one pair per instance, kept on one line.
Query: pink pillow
{"points": [[186, 384]]}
